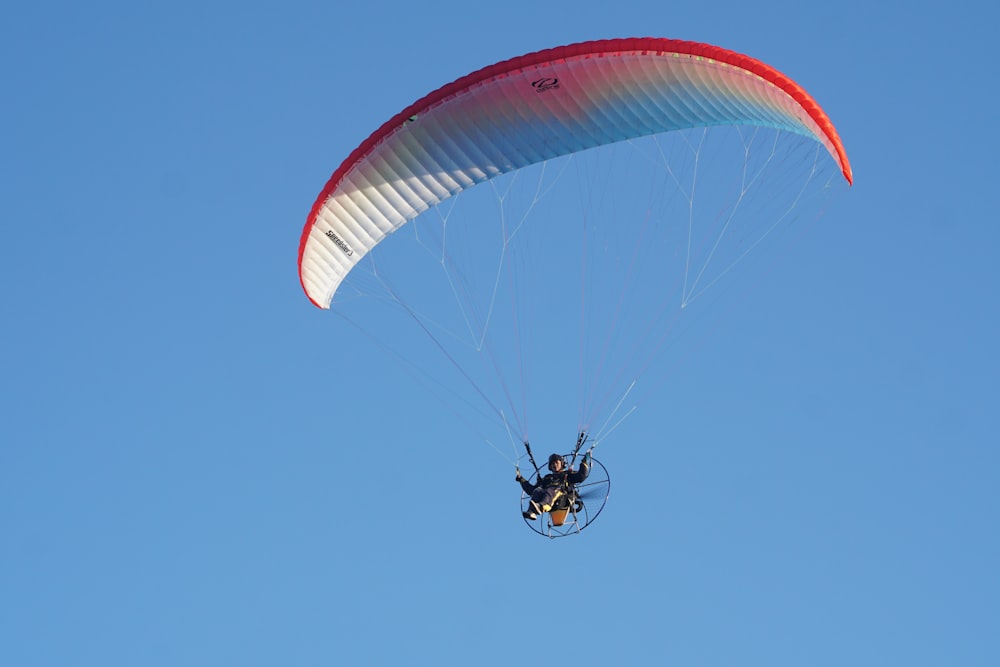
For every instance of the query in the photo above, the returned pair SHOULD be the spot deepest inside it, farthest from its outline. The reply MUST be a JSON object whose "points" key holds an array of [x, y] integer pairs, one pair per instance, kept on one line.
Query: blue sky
{"points": [[198, 467]]}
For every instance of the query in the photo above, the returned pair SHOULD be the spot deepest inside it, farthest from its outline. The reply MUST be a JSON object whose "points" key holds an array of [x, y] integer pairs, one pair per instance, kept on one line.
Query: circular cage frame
{"points": [[593, 495]]}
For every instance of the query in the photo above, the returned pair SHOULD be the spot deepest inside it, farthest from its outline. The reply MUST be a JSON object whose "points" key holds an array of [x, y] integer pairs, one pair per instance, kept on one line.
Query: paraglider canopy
{"points": [[532, 108]]}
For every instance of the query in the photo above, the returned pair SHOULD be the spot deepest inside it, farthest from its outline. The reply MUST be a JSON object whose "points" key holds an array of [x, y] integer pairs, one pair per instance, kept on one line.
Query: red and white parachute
{"points": [[534, 108]]}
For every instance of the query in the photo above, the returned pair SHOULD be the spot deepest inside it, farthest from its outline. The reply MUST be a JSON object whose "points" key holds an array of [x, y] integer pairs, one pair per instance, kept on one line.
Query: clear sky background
{"points": [[188, 476]]}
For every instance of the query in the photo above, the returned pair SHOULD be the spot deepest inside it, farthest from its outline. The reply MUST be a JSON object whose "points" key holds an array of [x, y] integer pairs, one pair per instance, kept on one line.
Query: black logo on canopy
{"points": [[545, 83]]}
